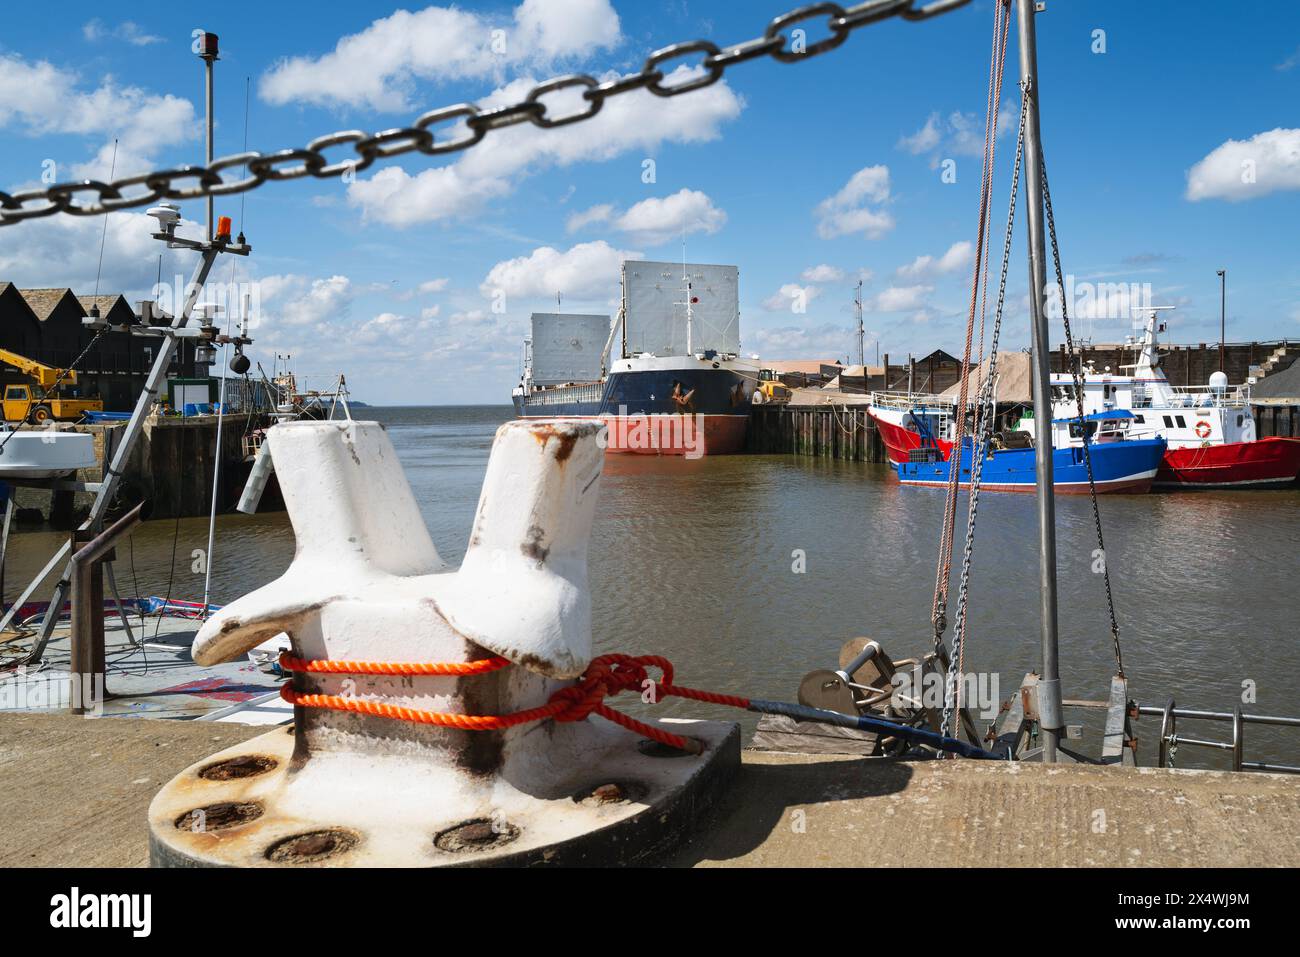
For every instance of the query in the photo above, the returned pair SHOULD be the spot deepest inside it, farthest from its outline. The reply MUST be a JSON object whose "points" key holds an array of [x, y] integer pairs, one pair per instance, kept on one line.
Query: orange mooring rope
{"points": [[486, 665], [606, 676]]}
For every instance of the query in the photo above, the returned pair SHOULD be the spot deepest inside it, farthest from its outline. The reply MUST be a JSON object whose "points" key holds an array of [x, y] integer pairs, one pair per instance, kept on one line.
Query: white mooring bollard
{"points": [[366, 585]]}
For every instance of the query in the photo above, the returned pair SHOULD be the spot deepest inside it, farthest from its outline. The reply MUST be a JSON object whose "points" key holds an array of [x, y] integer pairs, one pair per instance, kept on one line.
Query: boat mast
{"points": [[1049, 685], [862, 335], [687, 283]]}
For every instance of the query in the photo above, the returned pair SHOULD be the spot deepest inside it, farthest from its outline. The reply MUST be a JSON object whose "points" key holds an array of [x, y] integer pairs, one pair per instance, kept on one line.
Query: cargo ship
{"points": [[678, 384]]}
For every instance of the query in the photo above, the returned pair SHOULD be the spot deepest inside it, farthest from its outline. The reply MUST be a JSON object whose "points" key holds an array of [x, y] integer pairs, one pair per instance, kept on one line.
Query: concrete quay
{"points": [[76, 793]]}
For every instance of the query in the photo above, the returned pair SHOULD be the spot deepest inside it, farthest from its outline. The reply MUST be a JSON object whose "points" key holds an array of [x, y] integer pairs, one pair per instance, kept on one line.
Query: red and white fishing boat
{"points": [[1209, 429], [908, 421]]}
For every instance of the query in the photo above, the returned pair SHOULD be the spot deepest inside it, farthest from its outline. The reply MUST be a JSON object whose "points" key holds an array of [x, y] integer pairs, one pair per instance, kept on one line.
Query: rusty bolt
{"points": [[217, 817], [244, 766], [481, 834], [313, 846]]}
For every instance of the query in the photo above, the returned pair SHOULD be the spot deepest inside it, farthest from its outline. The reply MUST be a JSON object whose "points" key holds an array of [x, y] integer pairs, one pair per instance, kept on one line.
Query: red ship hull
{"points": [[1270, 461], [691, 436], [898, 441]]}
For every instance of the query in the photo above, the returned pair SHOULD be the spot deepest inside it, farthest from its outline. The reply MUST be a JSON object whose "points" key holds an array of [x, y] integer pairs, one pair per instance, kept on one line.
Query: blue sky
{"points": [[1174, 152]]}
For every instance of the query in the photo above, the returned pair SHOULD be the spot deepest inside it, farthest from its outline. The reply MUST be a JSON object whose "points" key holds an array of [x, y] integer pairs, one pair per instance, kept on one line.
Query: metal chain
{"points": [[1076, 372], [979, 441], [420, 136]]}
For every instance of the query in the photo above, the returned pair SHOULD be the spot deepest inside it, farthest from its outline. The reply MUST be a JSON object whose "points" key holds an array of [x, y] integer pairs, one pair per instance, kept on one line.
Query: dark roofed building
{"points": [[20, 330], [46, 325]]}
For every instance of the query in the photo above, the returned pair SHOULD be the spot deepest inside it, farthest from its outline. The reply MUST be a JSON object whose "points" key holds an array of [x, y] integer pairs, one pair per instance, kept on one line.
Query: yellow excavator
{"points": [[23, 403]]}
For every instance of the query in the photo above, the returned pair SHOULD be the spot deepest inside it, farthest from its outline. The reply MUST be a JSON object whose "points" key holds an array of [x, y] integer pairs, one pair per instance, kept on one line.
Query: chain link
{"points": [[1076, 371], [310, 160], [985, 415]]}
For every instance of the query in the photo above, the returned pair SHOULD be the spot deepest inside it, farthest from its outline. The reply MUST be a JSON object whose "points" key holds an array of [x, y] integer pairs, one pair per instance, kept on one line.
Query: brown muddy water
{"points": [[695, 560]]}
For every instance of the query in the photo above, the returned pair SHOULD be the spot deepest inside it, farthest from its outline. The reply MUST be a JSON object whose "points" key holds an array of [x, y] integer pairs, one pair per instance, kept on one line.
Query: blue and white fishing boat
{"points": [[1119, 463]]}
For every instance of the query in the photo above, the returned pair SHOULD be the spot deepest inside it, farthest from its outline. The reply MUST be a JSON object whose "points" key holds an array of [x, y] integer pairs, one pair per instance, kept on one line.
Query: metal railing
{"points": [[566, 394], [1170, 740], [913, 401]]}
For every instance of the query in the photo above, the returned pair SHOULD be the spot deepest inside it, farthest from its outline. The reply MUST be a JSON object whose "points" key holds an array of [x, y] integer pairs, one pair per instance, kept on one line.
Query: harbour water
{"points": [[699, 561]]}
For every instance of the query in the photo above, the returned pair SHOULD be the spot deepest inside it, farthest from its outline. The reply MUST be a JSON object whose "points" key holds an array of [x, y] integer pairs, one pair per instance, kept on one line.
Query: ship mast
{"points": [[862, 335], [690, 351], [1049, 685]]}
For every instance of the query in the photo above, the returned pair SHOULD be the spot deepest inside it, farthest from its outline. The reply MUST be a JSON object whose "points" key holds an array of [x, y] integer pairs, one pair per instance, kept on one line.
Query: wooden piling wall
{"points": [[826, 431]]}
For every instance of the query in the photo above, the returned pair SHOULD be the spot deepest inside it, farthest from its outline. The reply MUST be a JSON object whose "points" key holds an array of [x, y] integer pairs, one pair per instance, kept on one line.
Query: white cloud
{"points": [[95, 30], [602, 213], [655, 221], [902, 298], [846, 212], [296, 300], [38, 99], [432, 286], [634, 121], [957, 134], [379, 67], [822, 273], [792, 297], [1246, 169], [924, 139], [64, 251], [826, 341], [587, 271], [958, 256]]}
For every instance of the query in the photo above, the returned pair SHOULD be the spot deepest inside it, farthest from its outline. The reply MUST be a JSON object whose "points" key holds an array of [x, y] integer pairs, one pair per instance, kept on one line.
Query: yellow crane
{"points": [[21, 404]]}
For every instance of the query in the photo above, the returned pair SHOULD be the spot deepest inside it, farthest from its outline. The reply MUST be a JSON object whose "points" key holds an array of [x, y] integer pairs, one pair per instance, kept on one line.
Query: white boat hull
{"points": [[37, 453]]}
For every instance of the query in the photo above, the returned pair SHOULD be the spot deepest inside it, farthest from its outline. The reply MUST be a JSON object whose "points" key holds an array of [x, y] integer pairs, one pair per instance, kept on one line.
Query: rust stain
{"points": [[533, 547], [565, 439]]}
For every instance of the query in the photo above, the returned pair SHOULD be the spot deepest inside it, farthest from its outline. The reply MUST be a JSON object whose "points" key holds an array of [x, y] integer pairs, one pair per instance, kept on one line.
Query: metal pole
{"points": [[1223, 314], [1049, 685], [216, 484], [207, 72]]}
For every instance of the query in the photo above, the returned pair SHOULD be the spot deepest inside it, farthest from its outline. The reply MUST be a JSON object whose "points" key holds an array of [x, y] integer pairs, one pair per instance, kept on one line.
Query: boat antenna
{"points": [[103, 236], [244, 194], [862, 335], [207, 51], [1049, 685]]}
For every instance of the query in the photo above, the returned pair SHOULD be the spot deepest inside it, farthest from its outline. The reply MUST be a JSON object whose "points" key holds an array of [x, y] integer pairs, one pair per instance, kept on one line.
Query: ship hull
{"points": [[899, 441], [1262, 463], [1128, 467], [670, 406]]}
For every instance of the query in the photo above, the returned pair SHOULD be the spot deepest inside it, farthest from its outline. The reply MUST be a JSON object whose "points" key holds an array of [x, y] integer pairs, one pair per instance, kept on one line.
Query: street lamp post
{"points": [[1223, 321]]}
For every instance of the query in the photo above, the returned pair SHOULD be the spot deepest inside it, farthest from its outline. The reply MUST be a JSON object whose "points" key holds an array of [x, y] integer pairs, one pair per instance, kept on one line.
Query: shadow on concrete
{"points": [[763, 798]]}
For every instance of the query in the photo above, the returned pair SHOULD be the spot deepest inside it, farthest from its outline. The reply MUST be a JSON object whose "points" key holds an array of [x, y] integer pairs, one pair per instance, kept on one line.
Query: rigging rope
{"points": [[979, 440], [1001, 21]]}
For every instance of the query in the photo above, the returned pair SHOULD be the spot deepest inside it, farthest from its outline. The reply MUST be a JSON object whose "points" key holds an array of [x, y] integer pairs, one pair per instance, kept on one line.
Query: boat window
{"points": [[1076, 432], [1138, 419], [1240, 419], [1182, 423], [1169, 423]]}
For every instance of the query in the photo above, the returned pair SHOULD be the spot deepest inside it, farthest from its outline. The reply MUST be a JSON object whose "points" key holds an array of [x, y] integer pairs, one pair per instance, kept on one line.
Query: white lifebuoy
{"points": [[1203, 429]]}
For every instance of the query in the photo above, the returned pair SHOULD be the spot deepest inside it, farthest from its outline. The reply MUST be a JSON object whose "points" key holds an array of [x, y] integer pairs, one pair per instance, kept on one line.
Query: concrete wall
{"points": [[170, 467]]}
